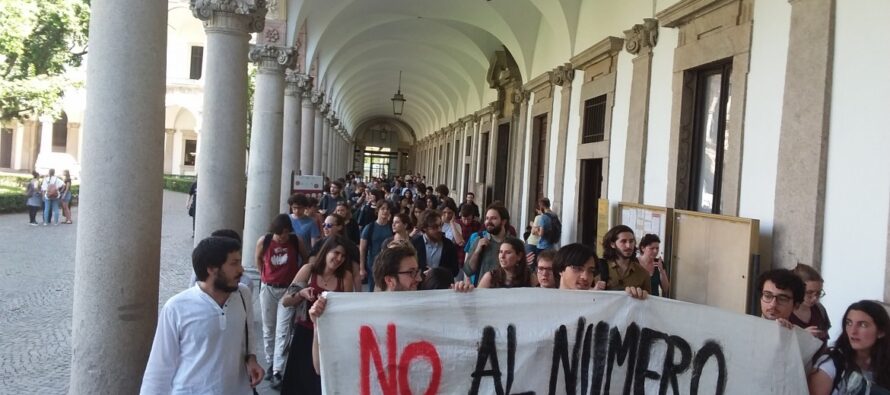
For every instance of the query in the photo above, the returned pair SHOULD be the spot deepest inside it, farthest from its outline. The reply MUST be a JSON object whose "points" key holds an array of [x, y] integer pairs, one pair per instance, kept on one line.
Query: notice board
{"points": [[715, 259], [645, 219]]}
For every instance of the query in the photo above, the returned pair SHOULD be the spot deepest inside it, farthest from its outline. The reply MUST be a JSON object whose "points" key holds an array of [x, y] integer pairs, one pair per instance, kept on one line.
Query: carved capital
{"points": [[317, 97], [297, 84], [270, 57], [563, 74], [641, 35], [255, 10], [521, 96]]}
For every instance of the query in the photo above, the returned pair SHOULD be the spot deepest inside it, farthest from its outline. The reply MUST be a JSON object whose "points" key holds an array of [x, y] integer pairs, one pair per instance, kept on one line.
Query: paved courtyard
{"points": [[36, 279]]}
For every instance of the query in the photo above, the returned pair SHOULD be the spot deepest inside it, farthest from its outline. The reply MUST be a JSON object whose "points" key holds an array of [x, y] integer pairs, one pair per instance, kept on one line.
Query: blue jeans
{"points": [[51, 204]]}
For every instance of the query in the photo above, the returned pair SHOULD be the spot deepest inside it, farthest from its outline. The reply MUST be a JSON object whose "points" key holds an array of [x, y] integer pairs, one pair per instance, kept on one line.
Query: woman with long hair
{"points": [[650, 246], [66, 197], [401, 229], [35, 198], [328, 273], [512, 271], [860, 359]]}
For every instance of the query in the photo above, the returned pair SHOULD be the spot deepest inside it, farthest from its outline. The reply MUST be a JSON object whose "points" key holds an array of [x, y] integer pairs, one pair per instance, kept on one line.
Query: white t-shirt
{"points": [[826, 364]]}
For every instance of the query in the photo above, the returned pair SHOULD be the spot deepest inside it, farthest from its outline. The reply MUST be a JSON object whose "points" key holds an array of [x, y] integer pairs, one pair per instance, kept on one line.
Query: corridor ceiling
{"points": [[443, 48]]}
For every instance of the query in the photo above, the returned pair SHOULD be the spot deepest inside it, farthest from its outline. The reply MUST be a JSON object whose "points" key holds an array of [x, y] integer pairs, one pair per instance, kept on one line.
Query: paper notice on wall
{"points": [[533, 341]]}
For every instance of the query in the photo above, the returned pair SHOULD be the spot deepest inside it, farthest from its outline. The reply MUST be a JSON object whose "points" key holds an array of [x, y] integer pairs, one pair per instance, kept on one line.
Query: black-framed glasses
{"points": [[768, 297], [545, 269], [413, 272], [816, 294]]}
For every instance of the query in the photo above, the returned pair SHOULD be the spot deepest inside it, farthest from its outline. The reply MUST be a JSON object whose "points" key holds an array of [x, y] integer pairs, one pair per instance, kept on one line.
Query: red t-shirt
{"points": [[280, 263]]}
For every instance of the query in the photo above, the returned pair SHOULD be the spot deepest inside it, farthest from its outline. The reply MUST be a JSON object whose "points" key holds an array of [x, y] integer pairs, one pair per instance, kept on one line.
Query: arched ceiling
{"points": [[442, 48]]}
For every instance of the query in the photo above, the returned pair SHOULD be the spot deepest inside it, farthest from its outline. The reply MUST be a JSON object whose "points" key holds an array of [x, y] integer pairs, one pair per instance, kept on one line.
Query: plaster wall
{"points": [[858, 189], [660, 97], [618, 141], [763, 118]]}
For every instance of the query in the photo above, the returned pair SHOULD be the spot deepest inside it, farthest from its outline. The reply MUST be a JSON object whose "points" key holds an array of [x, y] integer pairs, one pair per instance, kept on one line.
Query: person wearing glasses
{"points": [[781, 291], [546, 277], [810, 314], [433, 248], [331, 272], [858, 363], [335, 225]]}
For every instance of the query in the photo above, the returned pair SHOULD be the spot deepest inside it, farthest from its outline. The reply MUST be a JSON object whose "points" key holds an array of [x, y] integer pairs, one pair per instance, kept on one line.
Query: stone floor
{"points": [[36, 278]]}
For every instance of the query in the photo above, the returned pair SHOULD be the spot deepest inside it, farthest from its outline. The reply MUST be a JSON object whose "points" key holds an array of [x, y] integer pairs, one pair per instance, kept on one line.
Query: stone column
{"points": [[326, 131], [639, 41], [520, 98], [46, 135], [321, 111], [800, 184], [117, 259], [561, 76], [264, 168], [221, 162], [307, 130], [290, 144]]}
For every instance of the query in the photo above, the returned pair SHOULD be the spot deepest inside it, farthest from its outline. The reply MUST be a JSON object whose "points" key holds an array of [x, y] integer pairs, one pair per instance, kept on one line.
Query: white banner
{"points": [[535, 341]]}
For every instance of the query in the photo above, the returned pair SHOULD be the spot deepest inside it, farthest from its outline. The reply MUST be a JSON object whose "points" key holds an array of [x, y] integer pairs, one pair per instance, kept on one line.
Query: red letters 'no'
{"points": [[395, 377]]}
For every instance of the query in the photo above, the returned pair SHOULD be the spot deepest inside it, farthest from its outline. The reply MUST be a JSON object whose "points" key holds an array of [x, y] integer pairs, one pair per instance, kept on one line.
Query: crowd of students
{"points": [[402, 235]]}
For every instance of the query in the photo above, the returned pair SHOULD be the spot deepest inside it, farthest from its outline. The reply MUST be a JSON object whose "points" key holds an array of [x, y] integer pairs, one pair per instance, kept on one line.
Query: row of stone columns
{"points": [[290, 133]]}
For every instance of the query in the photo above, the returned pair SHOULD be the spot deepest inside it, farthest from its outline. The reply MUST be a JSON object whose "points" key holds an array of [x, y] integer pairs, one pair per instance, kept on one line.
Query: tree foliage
{"points": [[40, 42]]}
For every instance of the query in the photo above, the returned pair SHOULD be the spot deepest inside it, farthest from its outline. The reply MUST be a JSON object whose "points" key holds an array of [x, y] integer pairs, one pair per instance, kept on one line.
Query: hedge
{"points": [[178, 183], [12, 190]]}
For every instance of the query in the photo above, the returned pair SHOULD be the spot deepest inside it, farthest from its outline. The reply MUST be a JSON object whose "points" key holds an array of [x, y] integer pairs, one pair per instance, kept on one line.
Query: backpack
{"points": [[554, 234], [293, 240], [52, 190]]}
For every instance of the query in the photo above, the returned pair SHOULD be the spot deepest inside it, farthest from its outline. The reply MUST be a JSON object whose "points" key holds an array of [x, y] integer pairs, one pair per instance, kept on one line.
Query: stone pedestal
{"points": [[264, 170], [221, 158], [115, 306], [291, 141]]}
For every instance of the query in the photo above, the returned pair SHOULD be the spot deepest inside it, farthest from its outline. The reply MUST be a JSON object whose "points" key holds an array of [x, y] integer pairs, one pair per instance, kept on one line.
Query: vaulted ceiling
{"points": [[443, 48]]}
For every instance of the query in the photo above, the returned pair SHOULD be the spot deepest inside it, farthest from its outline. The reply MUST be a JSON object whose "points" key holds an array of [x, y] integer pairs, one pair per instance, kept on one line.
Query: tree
{"points": [[40, 42]]}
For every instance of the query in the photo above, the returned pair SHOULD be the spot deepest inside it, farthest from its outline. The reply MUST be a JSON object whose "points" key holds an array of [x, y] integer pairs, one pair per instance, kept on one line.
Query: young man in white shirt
{"points": [[203, 340]]}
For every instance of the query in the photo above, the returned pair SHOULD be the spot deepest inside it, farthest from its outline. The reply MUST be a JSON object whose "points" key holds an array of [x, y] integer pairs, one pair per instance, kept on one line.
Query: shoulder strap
{"points": [[267, 240]]}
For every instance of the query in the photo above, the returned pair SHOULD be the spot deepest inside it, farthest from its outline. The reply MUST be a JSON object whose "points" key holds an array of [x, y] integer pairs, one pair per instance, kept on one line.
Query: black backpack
{"points": [[554, 234]]}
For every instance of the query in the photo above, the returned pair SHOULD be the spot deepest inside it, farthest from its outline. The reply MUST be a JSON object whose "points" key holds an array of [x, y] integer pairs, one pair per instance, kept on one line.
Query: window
{"points": [[594, 120], [196, 61], [469, 147], [483, 162], [191, 151], [711, 112]]}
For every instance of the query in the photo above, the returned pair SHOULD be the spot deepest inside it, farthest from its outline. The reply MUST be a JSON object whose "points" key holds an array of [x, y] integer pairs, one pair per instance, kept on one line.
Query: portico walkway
{"points": [[36, 283]]}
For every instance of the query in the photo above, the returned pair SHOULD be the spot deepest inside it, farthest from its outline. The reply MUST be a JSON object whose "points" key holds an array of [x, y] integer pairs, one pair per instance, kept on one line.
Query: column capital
{"points": [[331, 115], [323, 108], [641, 35], [271, 58], [317, 97], [562, 74], [297, 84], [254, 10], [521, 96]]}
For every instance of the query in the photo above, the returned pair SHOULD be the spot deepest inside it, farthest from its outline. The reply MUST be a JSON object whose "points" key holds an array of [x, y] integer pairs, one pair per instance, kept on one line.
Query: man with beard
{"points": [[781, 291], [619, 252], [203, 342], [329, 201], [482, 247]]}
